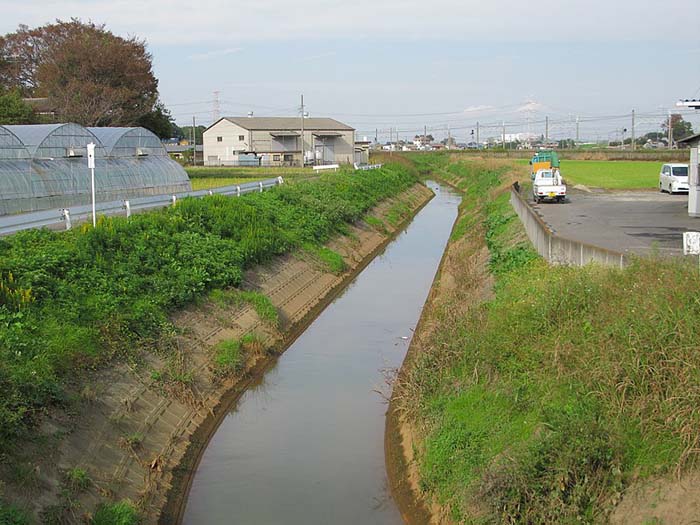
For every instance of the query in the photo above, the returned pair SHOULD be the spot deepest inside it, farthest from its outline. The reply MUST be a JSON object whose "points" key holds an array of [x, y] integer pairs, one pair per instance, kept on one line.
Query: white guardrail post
{"points": [[65, 216], [127, 207]]}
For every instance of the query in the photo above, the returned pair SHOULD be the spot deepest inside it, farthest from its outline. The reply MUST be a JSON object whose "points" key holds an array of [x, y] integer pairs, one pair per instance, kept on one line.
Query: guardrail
{"points": [[322, 167], [52, 218], [365, 167], [556, 249]]}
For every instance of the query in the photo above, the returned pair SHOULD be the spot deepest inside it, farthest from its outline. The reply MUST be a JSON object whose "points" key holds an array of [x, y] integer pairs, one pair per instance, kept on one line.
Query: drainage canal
{"points": [[306, 444]]}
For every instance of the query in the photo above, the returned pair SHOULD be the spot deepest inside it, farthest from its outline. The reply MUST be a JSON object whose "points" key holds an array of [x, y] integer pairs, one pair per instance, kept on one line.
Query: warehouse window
{"points": [[241, 137], [219, 139], [276, 157]]}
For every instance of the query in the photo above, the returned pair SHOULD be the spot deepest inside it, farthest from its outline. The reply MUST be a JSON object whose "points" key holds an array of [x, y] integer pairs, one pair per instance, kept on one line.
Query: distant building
{"points": [[362, 148], [277, 141]]}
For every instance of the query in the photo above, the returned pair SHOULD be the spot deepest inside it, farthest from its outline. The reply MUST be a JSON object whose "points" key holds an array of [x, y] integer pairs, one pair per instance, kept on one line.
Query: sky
{"points": [[390, 64]]}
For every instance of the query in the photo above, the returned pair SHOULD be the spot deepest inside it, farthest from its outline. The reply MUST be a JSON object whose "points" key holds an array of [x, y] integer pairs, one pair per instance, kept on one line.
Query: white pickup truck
{"points": [[548, 184]]}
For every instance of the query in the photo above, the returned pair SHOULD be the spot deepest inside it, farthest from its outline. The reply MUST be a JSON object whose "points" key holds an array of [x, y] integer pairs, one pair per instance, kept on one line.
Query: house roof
{"points": [[286, 124], [691, 139]]}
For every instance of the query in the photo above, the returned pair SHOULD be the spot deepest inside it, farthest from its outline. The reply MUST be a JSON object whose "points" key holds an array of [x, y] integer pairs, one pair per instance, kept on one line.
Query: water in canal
{"points": [[306, 445]]}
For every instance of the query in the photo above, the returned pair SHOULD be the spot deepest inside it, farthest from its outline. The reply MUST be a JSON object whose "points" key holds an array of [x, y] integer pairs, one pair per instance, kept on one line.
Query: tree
{"points": [[679, 128], [159, 121], [90, 75], [14, 110], [186, 132]]}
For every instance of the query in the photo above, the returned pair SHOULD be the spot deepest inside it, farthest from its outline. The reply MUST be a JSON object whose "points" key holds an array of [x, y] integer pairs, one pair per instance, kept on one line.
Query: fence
{"points": [[67, 216], [556, 249]]}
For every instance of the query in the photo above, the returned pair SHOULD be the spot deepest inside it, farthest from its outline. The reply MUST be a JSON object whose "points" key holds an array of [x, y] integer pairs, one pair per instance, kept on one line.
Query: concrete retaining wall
{"points": [[556, 249]]}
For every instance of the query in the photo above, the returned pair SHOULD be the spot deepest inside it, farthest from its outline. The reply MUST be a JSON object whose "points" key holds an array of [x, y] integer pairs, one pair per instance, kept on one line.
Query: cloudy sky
{"points": [[405, 64]]}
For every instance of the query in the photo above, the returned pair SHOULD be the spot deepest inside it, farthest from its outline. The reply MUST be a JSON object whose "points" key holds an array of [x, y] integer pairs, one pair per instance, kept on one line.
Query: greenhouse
{"points": [[45, 166]]}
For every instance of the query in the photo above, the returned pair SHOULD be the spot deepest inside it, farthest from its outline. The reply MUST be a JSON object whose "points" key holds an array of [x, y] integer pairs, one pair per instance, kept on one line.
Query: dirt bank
{"points": [[140, 436], [462, 282]]}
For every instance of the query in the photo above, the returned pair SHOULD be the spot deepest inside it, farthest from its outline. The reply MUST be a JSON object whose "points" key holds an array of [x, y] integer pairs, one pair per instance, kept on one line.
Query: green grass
{"points": [[542, 404], [608, 174], [261, 303], [120, 513], [613, 174], [206, 183], [330, 259], [246, 173], [228, 356], [10, 515], [77, 480]]}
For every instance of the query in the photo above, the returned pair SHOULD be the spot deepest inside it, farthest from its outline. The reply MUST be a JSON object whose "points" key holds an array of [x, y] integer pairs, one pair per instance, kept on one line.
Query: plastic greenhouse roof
{"points": [[33, 135], [109, 136], [111, 139]]}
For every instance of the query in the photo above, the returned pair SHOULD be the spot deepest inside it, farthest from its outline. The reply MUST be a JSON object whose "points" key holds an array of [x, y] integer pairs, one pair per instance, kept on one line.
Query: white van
{"points": [[674, 178]]}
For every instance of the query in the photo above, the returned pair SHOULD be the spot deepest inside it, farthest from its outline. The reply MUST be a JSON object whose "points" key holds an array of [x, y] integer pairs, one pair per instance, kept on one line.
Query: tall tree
{"points": [[90, 75], [13, 110], [159, 121], [679, 127]]}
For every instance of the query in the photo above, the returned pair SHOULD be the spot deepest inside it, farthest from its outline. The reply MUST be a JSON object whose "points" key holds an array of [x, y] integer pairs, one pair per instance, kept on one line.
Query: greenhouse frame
{"points": [[44, 166]]}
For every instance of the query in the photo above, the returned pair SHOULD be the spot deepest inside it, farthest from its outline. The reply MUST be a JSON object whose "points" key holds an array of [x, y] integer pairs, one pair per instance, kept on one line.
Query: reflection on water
{"points": [[306, 444]]}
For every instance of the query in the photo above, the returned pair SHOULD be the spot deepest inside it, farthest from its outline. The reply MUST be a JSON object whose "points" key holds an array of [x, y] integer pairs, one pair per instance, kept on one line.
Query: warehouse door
{"points": [[324, 151]]}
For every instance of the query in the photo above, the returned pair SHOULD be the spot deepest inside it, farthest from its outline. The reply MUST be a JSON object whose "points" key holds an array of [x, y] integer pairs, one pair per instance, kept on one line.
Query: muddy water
{"points": [[306, 444]]}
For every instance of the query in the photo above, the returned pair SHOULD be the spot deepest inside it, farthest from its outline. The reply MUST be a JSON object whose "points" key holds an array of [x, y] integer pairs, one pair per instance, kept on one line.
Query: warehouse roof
{"points": [[692, 139], [286, 123]]}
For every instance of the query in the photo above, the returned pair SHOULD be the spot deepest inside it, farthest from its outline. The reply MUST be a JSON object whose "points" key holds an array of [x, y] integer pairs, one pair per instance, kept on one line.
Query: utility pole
{"points": [[504, 133], [449, 137], [633, 145], [477, 133], [302, 131], [670, 131], [376, 135], [546, 130], [577, 131], [194, 142]]}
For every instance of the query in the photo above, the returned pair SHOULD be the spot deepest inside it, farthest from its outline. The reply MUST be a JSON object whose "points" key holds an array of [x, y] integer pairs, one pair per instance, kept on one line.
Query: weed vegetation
{"points": [[74, 300], [543, 403], [119, 513]]}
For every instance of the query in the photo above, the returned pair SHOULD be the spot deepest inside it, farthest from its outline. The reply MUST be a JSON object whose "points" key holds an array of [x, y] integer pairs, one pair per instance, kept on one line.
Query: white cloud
{"points": [[477, 109], [222, 21], [215, 53]]}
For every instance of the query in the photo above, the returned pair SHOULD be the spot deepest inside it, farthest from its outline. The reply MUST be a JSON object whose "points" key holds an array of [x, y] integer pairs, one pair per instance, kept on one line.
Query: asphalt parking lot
{"points": [[640, 222]]}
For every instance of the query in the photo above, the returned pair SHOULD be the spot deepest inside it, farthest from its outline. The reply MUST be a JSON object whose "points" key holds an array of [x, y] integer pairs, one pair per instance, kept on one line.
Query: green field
{"points": [[612, 174], [609, 174], [206, 183]]}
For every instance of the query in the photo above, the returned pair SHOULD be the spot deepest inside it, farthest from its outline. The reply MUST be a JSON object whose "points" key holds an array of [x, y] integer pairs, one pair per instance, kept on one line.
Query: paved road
{"points": [[639, 222]]}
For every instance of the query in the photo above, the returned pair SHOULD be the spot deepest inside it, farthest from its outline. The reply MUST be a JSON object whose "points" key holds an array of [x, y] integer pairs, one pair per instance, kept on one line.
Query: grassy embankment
{"points": [[73, 301], [204, 177], [544, 403]]}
